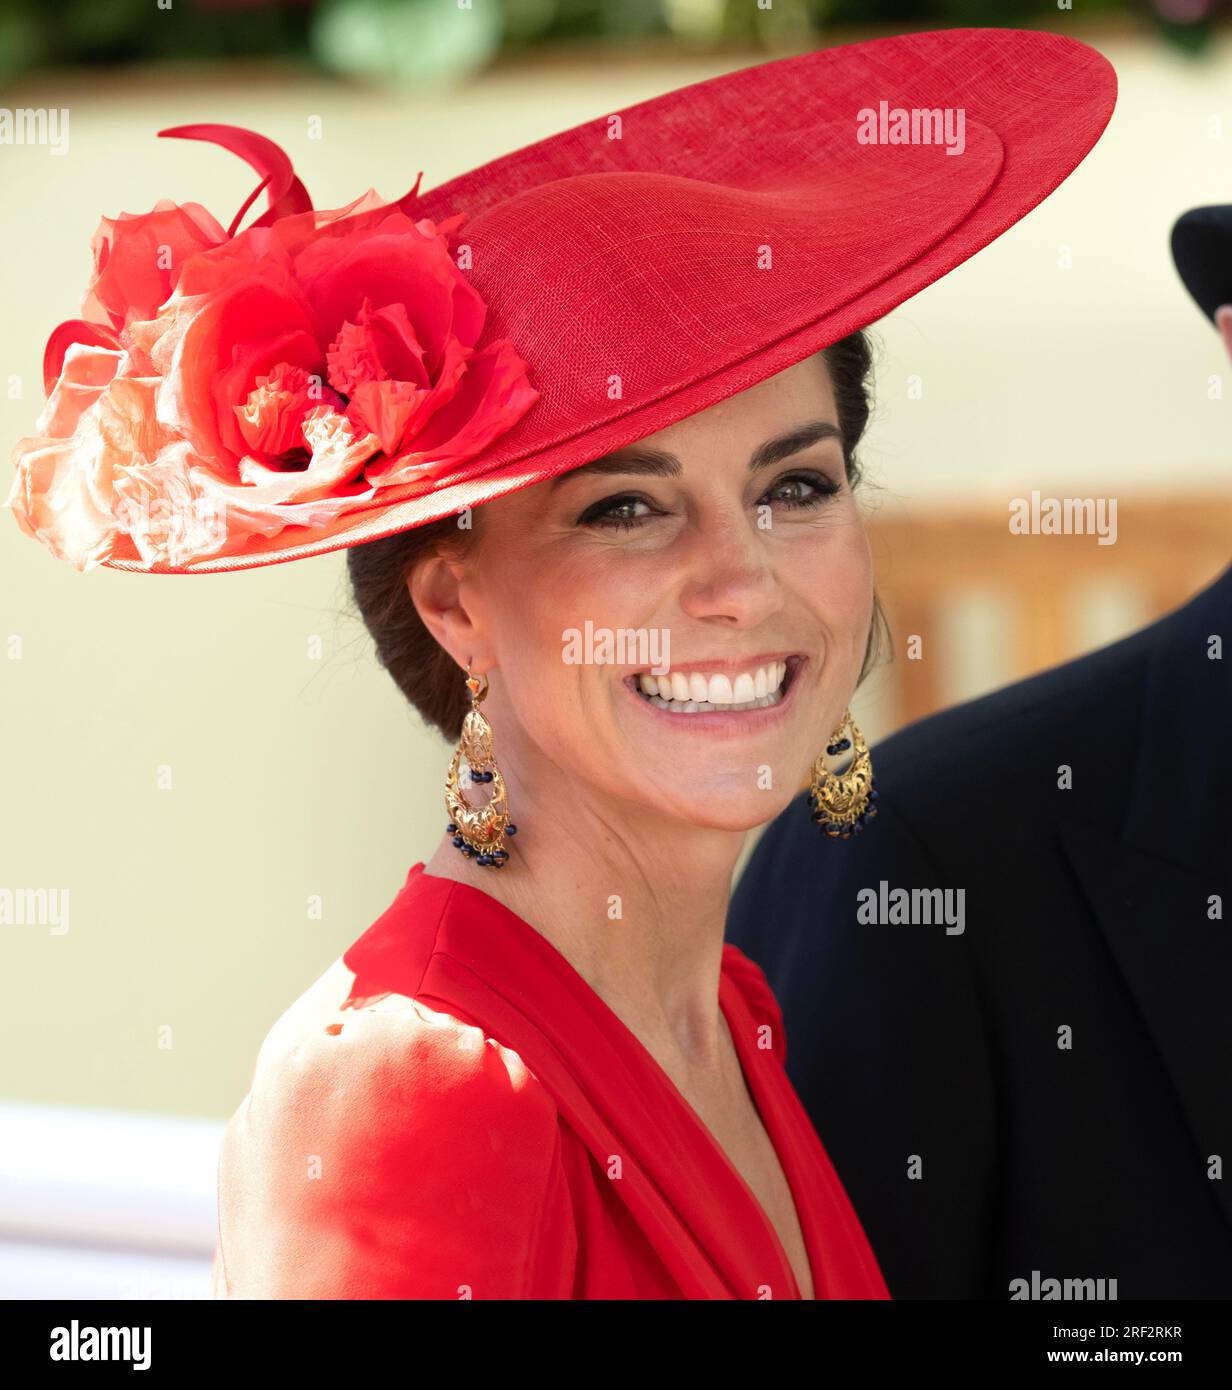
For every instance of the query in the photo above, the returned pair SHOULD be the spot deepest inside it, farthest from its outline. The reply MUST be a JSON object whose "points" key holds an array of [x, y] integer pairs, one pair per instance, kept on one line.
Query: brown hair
{"points": [[427, 675]]}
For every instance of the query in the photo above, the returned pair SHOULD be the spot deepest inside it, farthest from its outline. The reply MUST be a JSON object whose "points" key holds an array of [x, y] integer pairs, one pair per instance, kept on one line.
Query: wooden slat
{"points": [[1166, 548]]}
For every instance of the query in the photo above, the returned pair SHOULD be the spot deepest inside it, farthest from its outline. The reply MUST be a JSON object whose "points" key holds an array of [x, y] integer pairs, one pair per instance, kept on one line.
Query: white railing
{"points": [[105, 1203]]}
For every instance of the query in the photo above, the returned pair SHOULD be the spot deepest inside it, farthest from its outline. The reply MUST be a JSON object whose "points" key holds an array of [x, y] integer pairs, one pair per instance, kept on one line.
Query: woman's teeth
{"points": [[693, 692]]}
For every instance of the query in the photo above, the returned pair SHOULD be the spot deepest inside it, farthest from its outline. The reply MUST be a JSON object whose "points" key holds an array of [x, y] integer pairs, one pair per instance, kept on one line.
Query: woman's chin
{"points": [[722, 803]]}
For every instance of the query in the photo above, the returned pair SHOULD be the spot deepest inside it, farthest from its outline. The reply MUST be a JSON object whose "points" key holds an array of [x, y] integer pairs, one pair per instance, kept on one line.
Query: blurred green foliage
{"points": [[439, 41]]}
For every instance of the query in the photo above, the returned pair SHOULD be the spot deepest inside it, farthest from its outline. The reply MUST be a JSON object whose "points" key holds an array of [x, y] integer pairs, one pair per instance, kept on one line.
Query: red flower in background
{"points": [[222, 385]]}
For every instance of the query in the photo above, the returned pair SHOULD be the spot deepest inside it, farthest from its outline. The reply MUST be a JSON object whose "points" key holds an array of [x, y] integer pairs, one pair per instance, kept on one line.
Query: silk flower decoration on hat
{"points": [[222, 386]]}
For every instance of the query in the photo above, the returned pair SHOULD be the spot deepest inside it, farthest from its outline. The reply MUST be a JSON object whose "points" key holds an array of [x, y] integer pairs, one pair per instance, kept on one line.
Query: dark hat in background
{"points": [[1202, 254]]}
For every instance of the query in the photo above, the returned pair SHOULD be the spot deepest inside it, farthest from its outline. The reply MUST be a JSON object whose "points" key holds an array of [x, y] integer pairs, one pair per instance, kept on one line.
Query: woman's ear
{"points": [[436, 589], [1223, 321]]}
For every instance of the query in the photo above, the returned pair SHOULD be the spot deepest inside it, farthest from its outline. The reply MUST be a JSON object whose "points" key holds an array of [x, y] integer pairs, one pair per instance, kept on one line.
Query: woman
{"points": [[596, 468]]}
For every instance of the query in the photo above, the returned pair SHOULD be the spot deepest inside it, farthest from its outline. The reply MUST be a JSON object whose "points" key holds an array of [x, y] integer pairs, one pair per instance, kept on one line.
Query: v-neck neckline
{"points": [[740, 1023]]}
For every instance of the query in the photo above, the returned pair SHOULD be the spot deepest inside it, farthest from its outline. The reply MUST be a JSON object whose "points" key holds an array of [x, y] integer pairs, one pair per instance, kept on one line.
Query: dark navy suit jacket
{"points": [[977, 1149]]}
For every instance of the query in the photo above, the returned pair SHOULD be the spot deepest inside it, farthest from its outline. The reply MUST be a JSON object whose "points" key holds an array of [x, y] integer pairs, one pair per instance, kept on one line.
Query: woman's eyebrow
{"points": [[792, 442], [636, 458]]}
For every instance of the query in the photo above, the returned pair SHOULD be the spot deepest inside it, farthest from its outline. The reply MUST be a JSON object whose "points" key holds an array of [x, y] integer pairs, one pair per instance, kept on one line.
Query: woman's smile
{"points": [[731, 698]]}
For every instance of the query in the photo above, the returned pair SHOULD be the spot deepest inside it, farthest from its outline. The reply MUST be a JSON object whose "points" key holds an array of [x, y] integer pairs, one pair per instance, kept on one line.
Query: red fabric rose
{"points": [[222, 386], [138, 256]]}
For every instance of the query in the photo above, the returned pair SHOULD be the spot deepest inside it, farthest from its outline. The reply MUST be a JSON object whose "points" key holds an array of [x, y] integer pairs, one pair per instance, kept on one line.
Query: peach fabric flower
{"points": [[226, 385]]}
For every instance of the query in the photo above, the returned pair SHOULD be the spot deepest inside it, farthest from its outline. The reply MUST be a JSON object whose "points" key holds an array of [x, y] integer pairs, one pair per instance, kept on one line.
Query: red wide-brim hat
{"points": [[322, 379]]}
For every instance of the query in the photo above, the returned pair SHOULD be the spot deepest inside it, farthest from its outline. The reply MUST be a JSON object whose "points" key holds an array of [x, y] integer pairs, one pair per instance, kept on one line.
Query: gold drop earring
{"points": [[843, 802], [478, 831]]}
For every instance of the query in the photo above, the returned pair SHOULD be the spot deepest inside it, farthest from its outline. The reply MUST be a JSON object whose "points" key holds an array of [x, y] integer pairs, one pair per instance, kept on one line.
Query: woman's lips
{"points": [[685, 691], [731, 718]]}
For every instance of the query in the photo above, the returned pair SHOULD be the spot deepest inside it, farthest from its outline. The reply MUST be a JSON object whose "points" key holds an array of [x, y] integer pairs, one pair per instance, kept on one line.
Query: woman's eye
{"points": [[803, 490], [629, 510], [616, 512]]}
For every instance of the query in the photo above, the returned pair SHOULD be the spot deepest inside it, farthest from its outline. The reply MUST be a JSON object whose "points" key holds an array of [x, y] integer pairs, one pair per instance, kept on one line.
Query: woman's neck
{"points": [[636, 903]]}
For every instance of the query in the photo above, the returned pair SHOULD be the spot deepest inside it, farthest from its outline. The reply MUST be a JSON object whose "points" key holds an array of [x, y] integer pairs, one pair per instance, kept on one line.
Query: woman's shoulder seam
{"points": [[431, 953]]}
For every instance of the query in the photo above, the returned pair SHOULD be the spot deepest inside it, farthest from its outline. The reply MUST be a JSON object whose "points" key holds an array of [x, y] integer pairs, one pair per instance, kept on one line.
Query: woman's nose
{"points": [[728, 573]]}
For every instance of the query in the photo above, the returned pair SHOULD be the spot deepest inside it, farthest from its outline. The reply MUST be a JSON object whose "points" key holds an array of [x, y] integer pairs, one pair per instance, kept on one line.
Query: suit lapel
{"points": [[1149, 880], [1178, 966]]}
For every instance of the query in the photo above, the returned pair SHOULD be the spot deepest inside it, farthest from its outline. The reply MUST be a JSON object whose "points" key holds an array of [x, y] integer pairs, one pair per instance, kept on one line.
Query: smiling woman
{"points": [[612, 382], [433, 681], [734, 536], [559, 1081]]}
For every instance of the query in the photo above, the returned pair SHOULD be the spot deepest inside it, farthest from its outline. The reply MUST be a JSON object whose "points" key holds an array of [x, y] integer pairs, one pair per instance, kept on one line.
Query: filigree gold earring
{"points": [[843, 802], [478, 831]]}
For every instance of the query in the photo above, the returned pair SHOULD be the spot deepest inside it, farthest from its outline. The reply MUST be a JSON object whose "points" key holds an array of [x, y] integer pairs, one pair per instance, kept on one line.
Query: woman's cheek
{"points": [[858, 598], [837, 584]]}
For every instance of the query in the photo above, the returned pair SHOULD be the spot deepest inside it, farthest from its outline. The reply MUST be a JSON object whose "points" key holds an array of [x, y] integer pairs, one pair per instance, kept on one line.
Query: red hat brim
{"points": [[637, 258]]}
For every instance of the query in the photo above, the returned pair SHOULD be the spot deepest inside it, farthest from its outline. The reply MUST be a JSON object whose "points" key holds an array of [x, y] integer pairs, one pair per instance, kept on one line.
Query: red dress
{"points": [[465, 1117]]}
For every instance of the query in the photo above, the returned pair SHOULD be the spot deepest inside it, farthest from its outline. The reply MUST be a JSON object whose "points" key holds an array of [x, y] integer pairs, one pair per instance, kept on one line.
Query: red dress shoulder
{"points": [[391, 1152], [451, 1111]]}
